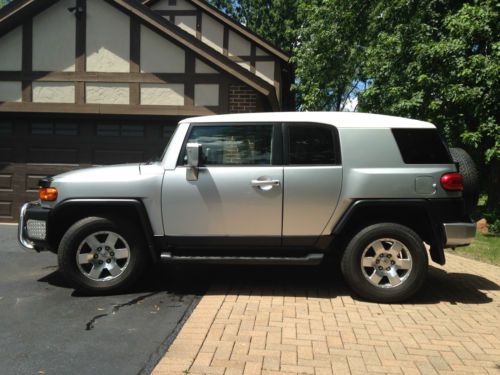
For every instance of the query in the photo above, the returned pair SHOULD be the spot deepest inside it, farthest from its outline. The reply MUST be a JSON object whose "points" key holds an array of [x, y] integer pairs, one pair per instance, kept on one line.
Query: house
{"points": [[91, 82]]}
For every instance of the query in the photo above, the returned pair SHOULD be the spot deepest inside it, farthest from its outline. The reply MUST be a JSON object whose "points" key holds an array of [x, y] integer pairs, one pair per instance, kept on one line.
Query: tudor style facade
{"points": [[91, 82]]}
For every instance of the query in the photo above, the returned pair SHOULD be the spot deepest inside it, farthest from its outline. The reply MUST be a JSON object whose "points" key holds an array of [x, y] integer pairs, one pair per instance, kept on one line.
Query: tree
{"points": [[438, 60], [277, 20]]}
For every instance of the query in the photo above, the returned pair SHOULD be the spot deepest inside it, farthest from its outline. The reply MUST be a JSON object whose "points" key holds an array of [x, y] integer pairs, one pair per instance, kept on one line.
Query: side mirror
{"points": [[193, 153]]}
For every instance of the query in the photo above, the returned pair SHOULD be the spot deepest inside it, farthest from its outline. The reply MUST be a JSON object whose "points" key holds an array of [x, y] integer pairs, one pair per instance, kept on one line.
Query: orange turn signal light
{"points": [[47, 194]]}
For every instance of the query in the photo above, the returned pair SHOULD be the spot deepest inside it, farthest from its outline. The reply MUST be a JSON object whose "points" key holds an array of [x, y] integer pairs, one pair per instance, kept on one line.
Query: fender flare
{"points": [[437, 237], [135, 204]]}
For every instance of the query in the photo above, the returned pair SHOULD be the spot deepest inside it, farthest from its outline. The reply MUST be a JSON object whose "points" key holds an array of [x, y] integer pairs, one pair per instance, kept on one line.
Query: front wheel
{"points": [[101, 255], [385, 262]]}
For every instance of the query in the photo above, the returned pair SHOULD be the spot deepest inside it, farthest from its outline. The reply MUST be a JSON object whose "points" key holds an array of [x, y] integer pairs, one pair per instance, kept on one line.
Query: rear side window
{"points": [[310, 144], [421, 146]]}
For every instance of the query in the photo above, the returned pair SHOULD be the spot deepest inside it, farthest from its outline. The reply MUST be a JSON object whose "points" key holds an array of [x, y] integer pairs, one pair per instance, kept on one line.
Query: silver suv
{"points": [[268, 188]]}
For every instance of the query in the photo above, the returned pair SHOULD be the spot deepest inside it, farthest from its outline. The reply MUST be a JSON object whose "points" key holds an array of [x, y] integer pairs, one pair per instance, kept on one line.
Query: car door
{"points": [[312, 180], [238, 196]]}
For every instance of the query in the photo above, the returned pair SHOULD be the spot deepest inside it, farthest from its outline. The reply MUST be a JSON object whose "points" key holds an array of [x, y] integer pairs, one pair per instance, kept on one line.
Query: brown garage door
{"points": [[32, 148]]}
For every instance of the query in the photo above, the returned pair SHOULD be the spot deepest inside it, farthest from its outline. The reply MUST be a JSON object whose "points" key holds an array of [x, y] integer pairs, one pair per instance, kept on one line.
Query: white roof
{"points": [[339, 119]]}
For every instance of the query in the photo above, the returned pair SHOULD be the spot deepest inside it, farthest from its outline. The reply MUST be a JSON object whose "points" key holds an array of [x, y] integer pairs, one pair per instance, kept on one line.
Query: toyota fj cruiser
{"points": [[267, 188]]}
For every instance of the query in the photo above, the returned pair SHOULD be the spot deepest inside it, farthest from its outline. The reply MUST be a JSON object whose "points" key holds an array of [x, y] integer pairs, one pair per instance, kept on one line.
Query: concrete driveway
{"points": [[47, 328], [304, 321]]}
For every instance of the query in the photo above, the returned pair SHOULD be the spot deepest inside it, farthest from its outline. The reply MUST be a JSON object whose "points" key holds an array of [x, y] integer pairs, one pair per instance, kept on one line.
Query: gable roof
{"points": [[14, 13], [243, 30]]}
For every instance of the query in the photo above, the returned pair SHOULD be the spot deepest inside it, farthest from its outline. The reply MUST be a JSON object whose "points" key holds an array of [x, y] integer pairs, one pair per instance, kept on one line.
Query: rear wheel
{"points": [[101, 255], [385, 262]]}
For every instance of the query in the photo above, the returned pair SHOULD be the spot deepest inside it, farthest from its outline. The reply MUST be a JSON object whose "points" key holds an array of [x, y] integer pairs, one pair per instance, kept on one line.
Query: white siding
{"points": [[162, 94], [238, 46], [260, 52], [10, 91], [54, 38], [158, 55], [212, 32], [108, 38], [107, 93], [53, 92], [206, 95], [11, 50]]}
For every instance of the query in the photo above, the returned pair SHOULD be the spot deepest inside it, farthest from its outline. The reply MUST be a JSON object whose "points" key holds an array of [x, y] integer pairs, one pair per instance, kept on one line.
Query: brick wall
{"points": [[242, 99]]}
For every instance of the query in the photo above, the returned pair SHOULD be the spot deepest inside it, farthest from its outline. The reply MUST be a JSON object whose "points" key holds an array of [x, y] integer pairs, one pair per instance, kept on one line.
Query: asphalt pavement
{"points": [[48, 328]]}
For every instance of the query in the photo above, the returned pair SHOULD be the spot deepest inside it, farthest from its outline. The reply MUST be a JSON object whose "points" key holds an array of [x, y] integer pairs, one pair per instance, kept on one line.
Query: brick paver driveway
{"points": [[270, 321]]}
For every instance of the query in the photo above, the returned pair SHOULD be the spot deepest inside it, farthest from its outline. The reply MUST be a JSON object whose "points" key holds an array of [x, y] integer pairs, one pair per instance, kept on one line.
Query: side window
{"points": [[311, 144], [234, 144]]}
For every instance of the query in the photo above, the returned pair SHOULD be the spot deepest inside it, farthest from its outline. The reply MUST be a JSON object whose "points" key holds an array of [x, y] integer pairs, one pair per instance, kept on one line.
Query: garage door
{"points": [[34, 148]]}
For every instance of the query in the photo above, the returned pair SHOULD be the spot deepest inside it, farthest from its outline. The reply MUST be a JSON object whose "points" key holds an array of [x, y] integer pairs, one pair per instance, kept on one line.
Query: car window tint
{"points": [[421, 146], [309, 144], [234, 144]]}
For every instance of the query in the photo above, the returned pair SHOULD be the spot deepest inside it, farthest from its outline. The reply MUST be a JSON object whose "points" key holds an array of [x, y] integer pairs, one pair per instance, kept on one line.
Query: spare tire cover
{"points": [[468, 170]]}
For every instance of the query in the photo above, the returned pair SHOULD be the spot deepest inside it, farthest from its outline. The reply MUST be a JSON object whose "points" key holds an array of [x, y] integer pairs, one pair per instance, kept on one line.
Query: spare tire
{"points": [[467, 168]]}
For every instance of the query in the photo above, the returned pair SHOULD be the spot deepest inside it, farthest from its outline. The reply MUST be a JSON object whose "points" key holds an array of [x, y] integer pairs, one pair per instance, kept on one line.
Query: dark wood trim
{"points": [[181, 37], [27, 59], [177, 12], [111, 77], [199, 22], [225, 41], [108, 109], [251, 58], [224, 96], [277, 80], [80, 50], [242, 30], [135, 60], [253, 55], [189, 84]]}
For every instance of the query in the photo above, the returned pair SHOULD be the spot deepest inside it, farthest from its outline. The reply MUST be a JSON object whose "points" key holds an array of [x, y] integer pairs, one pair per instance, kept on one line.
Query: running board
{"points": [[308, 260]]}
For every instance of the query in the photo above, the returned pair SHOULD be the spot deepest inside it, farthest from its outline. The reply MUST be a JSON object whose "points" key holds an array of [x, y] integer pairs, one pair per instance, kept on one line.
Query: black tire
{"points": [[356, 275], [130, 268], [470, 175]]}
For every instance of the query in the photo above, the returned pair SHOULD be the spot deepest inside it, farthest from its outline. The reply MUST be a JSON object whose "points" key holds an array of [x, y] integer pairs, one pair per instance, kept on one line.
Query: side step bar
{"points": [[308, 260]]}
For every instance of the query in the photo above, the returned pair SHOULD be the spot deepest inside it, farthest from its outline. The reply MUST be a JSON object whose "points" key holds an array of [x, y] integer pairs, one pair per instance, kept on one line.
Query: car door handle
{"points": [[259, 183]]}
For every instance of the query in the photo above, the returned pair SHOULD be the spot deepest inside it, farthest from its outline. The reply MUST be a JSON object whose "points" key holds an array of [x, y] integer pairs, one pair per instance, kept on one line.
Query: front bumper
{"points": [[459, 234], [32, 230]]}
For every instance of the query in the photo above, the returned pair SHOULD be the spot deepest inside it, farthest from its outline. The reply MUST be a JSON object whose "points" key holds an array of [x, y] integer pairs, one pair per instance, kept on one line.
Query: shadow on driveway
{"points": [[440, 286]]}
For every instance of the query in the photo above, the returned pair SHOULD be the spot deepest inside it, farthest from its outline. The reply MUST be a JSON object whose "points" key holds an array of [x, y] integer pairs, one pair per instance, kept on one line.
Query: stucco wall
{"points": [[265, 70], [162, 94], [10, 91], [158, 55], [201, 67], [108, 38], [54, 38], [11, 50], [186, 23], [212, 32], [237, 45], [107, 93], [53, 92], [181, 5], [206, 95]]}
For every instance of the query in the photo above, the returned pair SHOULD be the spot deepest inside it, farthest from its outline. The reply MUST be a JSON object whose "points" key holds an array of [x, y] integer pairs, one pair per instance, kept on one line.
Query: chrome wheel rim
{"points": [[386, 263], [103, 256]]}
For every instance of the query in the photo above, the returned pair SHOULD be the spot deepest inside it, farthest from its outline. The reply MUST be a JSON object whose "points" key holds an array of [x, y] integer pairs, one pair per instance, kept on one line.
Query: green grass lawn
{"points": [[485, 248]]}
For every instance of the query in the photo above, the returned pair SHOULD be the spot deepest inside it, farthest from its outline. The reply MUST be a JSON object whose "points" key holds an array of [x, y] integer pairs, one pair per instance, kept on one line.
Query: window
{"points": [[421, 146], [234, 144], [115, 130], [311, 144], [49, 128], [6, 128]]}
